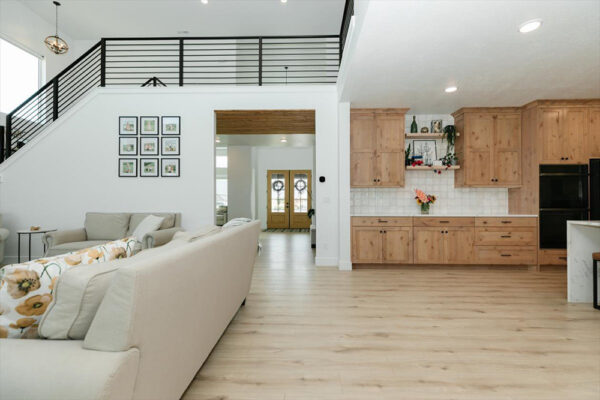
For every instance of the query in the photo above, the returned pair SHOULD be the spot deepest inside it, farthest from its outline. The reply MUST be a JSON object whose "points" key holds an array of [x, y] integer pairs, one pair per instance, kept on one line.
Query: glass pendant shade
{"points": [[56, 44]]}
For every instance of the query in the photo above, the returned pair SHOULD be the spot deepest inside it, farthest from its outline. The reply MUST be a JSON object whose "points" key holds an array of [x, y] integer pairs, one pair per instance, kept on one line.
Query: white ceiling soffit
{"points": [[296, 140], [408, 52], [93, 19]]}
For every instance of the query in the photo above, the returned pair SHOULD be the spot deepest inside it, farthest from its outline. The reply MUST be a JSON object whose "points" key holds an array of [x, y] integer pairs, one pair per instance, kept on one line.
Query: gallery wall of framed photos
{"points": [[149, 146]]}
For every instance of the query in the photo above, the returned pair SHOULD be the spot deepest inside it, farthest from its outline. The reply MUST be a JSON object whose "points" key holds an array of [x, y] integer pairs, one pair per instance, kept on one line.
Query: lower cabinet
{"points": [[457, 240]]}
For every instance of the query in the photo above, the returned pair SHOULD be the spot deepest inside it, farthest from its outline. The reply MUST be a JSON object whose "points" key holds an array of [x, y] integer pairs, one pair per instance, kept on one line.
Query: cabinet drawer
{"points": [[441, 221], [496, 236], [502, 221], [553, 257], [382, 221], [505, 255]]}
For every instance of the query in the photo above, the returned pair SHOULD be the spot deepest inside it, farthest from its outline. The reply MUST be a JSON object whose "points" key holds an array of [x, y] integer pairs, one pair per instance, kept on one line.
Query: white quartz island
{"points": [[583, 239]]}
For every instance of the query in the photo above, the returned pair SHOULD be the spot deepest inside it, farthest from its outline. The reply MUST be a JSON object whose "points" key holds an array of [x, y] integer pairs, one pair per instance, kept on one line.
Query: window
{"points": [[19, 75]]}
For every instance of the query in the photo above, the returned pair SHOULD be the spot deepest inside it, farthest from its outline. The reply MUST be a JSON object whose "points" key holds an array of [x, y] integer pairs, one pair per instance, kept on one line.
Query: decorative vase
{"points": [[413, 126], [425, 208]]}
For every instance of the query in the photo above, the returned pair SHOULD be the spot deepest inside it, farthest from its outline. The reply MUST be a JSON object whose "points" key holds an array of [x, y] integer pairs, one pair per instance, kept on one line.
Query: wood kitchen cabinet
{"points": [[377, 147], [443, 240], [382, 240], [489, 147], [562, 133], [592, 135]]}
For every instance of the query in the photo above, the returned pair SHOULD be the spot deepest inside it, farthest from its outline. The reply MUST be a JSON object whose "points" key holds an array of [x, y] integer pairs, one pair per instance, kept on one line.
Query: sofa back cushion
{"points": [[27, 290], [169, 220], [106, 226]]}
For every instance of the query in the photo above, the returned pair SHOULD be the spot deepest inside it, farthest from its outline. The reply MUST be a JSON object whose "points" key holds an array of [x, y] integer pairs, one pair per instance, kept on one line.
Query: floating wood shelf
{"points": [[427, 168], [425, 135]]}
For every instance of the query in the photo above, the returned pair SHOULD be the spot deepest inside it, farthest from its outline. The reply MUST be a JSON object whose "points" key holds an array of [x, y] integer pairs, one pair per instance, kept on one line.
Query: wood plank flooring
{"points": [[414, 333]]}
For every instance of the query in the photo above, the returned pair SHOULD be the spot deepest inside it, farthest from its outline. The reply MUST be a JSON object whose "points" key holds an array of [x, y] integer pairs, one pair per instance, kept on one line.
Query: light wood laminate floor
{"points": [[414, 333]]}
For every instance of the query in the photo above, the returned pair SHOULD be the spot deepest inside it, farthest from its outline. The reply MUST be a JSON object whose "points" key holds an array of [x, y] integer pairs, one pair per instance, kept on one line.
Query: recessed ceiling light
{"points": [[530, 26], [451, 89], [283, 140], [284, 1], [204, 1], [218, 140]]}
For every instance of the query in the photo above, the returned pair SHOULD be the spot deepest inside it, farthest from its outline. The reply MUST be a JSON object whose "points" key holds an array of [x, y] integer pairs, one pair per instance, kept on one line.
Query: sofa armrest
{"points": [[51, 239], [158, 238], [4, 234]]}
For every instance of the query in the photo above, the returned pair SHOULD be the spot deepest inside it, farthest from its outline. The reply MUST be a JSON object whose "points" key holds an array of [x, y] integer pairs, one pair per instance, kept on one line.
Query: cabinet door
{"points": [[478, 153], [550, 136], [507, 150], [390, 169], [458, 245], [429, 245], [575, 125], [366, 245], [363, 144], [592, 135], [397, 245]]}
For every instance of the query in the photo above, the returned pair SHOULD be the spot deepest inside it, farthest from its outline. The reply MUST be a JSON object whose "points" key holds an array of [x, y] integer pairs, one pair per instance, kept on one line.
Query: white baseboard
{"points": [[326, 261], [345, 265]]}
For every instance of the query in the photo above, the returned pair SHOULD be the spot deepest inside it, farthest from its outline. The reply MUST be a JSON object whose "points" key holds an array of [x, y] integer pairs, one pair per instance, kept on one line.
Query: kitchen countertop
{"points": [[454, 216]]}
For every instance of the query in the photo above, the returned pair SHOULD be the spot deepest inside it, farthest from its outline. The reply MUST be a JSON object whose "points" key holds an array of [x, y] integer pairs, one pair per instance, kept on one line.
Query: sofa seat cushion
{"points": [[106, 226], [63, 369], [136, 218]]}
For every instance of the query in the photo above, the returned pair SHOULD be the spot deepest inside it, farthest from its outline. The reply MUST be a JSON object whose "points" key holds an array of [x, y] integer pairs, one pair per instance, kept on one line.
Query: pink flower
{"points": [[421, 195]]}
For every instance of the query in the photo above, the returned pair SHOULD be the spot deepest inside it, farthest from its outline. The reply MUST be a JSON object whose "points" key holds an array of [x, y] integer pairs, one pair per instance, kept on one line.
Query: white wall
{"points": [[240, 182], [72, 168]]}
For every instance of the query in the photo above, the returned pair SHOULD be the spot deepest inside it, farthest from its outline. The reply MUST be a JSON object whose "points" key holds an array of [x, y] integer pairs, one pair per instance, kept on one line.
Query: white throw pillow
{"points": [[149, 224]]}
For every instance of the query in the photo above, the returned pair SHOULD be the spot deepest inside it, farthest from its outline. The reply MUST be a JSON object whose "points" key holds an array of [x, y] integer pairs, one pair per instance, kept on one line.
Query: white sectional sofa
{"points": [[161, 316]]}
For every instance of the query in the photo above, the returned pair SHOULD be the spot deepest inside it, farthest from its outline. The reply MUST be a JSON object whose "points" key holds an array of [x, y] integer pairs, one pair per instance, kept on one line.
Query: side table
{"points": [[29, 232]]}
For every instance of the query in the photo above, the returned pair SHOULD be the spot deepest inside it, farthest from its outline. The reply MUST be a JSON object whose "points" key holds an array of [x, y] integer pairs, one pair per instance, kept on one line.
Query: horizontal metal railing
{"points": [[168, 61]]}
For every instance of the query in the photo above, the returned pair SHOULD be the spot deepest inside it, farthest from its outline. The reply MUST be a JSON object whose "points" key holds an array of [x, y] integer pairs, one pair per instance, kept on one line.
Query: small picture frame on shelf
{"points": [[436, 126], [149, 146], [149, 167], [426, 149], [171, 125], [170, 146], [128, 167], [169, 167], [149, 125], [128, 126], [128, 146]]}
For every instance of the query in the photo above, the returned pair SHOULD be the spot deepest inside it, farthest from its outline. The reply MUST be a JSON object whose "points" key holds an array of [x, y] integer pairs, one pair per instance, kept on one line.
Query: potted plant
{"points": [[449, 159], [424, 200], [450, 135]]}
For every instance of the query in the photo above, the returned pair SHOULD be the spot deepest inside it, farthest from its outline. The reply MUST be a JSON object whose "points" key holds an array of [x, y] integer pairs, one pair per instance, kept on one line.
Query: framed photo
{"points": [[169, 146], [171, 125], [149, 146], [128, 146], [127, 167], [149, 125], [149, 167], [436, 126], [128, 125], [425, 148], [169, 167]]}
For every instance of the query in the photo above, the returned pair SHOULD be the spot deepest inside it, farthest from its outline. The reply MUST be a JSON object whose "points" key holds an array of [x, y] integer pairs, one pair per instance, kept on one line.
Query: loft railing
{"points": [[267, 60], [346, 18]]}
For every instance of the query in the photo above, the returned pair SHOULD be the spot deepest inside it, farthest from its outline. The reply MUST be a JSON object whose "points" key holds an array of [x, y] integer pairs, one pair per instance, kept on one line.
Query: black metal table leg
{"points": [[19, 249], [595, 273], [29, 250]]}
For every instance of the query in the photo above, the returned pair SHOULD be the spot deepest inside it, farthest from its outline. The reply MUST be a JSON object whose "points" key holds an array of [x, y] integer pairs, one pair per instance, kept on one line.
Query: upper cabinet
{"points": [[592, 136], [489, 147], [377, 147], [562, 133]]}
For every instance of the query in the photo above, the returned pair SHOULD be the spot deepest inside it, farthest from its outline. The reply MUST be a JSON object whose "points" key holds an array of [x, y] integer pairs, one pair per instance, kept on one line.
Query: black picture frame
{"points": [[156, 146], [145, 175], [162, 125], [157, 125], [135, 162], [136, 130], [162, 146], [134, 140], [162, 170]]}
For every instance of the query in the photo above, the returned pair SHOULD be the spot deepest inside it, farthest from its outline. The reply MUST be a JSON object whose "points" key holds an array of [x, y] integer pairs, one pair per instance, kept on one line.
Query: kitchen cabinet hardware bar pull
{"points": [[382, 221], [507, 222], [444, 222], [505, 236], [505, 255], [562, 258]]}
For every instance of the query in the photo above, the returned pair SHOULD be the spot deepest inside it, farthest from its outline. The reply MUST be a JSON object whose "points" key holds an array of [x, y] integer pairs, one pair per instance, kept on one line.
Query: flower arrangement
{"points": [[424, 200]]}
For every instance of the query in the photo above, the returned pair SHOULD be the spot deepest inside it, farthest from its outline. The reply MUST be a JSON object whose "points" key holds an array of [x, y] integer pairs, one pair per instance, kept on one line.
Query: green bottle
{"points": [[413, 126]]}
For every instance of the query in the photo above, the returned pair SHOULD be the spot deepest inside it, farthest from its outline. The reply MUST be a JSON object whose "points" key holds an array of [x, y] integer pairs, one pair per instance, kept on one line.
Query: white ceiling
{"points": [[93, 19], [409, 51], [296, 140]]}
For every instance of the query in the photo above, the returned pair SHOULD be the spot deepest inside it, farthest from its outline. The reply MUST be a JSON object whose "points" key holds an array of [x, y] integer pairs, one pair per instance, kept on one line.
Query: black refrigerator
{"points": [[595, 189], [563, 197]]}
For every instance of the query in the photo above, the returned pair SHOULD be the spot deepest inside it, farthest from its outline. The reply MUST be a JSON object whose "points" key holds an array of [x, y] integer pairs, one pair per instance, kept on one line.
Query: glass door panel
{"points": [[278, 206], [301, 193]]}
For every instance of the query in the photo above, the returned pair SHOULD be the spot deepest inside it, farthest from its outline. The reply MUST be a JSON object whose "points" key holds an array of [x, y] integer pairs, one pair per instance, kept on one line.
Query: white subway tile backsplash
{"points": [[450, 200]]}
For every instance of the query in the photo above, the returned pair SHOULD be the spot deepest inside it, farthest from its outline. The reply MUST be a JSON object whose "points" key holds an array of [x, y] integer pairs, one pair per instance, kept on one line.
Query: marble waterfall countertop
{"points": [[583, 239], [383, 215]]}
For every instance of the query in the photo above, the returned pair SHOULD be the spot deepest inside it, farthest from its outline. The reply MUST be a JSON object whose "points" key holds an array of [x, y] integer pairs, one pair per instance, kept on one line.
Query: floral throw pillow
{"points": [[26, 289]]}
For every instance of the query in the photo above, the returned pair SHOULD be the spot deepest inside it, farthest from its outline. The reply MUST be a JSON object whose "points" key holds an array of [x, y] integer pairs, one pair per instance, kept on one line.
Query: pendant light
{"points": [[55, 43]]}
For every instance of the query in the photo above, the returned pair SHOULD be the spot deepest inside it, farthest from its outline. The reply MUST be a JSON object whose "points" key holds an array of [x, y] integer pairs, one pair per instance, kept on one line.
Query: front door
{"points": [[288, 198]]}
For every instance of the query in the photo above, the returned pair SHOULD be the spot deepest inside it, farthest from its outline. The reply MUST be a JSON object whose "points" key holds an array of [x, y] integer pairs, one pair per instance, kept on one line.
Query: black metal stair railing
{"points": [[267, 60]]}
